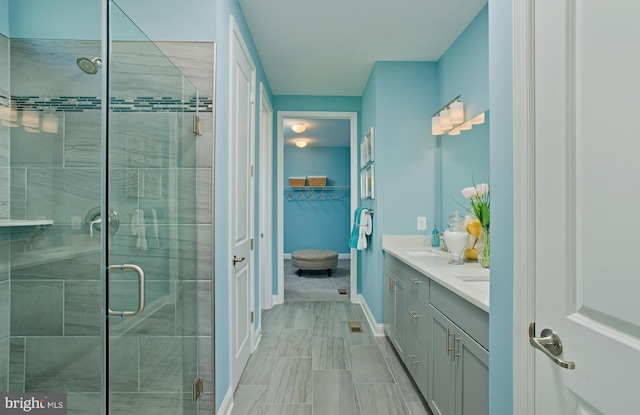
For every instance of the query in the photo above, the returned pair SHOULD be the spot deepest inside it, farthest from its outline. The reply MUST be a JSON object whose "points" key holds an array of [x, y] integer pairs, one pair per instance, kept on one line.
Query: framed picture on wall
{"points": [[370, 182], [367, 149], [363, 185]]}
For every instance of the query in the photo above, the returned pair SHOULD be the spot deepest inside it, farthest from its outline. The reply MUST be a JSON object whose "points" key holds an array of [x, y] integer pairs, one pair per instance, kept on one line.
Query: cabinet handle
{"points": [[415, 281], [414, 314], [392, 284], [449, 347], [412, 357], [453, 352]]}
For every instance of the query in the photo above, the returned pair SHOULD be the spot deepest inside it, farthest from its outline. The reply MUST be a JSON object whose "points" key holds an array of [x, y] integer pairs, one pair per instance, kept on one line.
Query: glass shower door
{"points": [[152, 347]]}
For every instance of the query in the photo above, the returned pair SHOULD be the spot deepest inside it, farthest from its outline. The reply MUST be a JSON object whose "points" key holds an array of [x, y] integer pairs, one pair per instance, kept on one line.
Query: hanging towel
{"points": [[138, 229], [362, 226], [154, 214]]}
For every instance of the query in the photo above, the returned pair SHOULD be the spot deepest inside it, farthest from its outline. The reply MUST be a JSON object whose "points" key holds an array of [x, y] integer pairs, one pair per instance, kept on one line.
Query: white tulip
{"points": [[482, 189], [469, 192]]}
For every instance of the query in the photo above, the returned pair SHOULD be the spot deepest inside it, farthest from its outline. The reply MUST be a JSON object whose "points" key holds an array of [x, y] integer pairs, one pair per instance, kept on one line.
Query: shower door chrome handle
{"points": [[236, 259], [140, 273]]}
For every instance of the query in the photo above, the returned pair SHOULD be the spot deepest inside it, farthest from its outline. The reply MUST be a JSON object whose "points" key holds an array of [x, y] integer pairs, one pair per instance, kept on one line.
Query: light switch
{"points": [[422, 223]]}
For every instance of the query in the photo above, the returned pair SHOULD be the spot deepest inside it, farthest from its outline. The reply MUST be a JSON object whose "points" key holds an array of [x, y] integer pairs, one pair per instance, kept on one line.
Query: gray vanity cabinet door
{"points": [[442, 373], [472, 376], [394, 310]]}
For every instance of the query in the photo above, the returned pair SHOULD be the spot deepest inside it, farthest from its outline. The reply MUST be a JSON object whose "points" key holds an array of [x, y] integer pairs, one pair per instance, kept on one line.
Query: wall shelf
{"points": [[316, 193], [15, 223]]}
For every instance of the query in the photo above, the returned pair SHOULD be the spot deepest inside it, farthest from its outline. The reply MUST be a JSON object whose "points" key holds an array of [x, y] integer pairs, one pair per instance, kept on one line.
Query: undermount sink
{"points": [[420, 253]]}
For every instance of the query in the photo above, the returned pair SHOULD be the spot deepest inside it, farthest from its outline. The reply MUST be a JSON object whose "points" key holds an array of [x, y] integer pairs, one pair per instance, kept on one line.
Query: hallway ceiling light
{"points": [[298, 127], [301, 143]]}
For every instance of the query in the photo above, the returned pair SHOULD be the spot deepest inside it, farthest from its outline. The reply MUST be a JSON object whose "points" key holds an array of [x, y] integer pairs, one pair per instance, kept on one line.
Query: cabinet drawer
{"points": [[416, 359], [393, 264], [417, 318], [417, 284], [471, 319]]}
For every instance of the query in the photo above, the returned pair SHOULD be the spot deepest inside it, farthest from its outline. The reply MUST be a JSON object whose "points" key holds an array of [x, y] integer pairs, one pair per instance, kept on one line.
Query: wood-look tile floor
{"points": [[309, 363]]}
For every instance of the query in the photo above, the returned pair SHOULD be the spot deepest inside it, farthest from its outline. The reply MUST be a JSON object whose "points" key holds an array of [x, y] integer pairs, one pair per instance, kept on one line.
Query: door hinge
{"points": [[251, 170], [253, 98], [252, 244], [252, 316], [198, 389]]}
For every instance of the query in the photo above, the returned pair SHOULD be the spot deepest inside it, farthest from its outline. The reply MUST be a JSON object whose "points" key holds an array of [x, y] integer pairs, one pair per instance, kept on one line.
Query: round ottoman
{"points": [[314, 260]]}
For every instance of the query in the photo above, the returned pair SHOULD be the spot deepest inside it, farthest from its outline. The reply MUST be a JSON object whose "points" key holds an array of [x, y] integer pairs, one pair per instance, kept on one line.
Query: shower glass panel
{"points": [[91, 178], [152, 183]]}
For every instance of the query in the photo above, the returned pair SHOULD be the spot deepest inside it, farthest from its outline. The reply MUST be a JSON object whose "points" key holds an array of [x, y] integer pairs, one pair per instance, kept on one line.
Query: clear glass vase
{"points": [[484, 248]]}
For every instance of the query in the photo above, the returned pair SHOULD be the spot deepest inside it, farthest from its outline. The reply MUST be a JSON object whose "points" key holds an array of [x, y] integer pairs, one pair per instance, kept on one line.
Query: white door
{"points": [[587, 271], [242, 80]]}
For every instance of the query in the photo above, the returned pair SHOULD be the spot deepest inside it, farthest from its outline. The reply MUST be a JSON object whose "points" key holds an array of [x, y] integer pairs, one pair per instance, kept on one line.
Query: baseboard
{"points": [[376, 329], [277, 300], [257, 336], [227, 404]]}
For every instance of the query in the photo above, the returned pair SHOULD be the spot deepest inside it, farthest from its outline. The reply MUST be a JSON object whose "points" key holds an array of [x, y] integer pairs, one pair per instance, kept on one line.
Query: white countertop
{"points": [[470, 281]]}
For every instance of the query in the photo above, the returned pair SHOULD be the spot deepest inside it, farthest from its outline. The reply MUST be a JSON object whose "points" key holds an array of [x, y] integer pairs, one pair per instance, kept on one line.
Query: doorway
{"points": [[322, 194]]}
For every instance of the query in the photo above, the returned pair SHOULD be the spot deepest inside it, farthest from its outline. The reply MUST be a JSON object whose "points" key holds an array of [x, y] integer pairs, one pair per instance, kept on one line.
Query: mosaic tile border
{"points": [[137, 104]]}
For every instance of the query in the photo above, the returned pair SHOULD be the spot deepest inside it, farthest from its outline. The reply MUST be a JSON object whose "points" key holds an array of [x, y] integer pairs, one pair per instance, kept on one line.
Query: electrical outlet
{"points": [[422, 223]]}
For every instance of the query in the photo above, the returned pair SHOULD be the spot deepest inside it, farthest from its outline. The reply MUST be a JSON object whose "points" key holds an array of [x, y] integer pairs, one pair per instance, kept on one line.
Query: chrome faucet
{"points": [[443, 245]]}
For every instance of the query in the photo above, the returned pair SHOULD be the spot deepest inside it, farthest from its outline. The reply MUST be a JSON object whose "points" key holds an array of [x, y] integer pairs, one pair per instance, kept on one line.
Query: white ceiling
{"points": [[329, 47], [319, 132]]}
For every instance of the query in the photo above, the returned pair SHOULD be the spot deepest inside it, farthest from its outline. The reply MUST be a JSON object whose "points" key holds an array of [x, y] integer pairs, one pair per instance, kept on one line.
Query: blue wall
{"points": [[321, 224], [501, 316], [396, 102], [464, 70], [50, 19]]}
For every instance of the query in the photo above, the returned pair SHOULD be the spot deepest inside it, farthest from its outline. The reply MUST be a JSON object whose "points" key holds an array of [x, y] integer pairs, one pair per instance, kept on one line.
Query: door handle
{"points": [[414, 314], [140, 273], [549, 343], [236, 259]]}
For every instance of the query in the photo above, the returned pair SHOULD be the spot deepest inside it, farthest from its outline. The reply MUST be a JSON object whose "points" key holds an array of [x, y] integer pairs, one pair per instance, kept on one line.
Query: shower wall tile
{"points": [[82, 308], [195, 60], [160, 403], [162, 361], [63, 364], [36, 308], [59, 193], [5, 80], [18, 193], [38, 149], [86, 403], [5, 295], [205, 252], [205, 196], [142, 139], [4, 143], [124, 363], [42, 67], [5, 179], [4, 365], [194, 305], [83, 143], [82, 266], [5, 254], [17, 356]]}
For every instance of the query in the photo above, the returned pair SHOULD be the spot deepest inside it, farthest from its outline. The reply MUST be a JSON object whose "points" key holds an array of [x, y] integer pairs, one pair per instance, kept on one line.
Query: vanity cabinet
{"points": [[394, 310], [442, 339]]}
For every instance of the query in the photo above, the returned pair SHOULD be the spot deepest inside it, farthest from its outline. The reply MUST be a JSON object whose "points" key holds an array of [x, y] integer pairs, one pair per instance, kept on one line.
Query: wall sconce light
{"points": [[49, 123], [301, 143], [8, 116], [31, 121], [298, 127], [448, 117]]}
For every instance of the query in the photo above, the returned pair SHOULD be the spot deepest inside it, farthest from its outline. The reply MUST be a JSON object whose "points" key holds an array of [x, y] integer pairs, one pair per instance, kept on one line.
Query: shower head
{"points": [[89, 66]]}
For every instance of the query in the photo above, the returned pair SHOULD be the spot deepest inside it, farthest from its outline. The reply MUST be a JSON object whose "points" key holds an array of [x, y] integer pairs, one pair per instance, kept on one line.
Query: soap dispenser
{"points": [[435, 238]]}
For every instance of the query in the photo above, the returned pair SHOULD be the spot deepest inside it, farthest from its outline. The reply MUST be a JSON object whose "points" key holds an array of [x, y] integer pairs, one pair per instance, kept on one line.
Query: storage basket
{"points": [[297, 181], [317, 181]]}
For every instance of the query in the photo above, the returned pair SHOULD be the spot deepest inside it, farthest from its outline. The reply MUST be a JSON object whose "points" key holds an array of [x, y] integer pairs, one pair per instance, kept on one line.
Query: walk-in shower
{"points": [[89, 66], [106, 253]]}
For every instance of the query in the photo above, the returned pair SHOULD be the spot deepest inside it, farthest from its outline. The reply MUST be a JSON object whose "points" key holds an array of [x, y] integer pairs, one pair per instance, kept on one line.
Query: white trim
{"points": [[266, 200], [376, 329], [227, 404], [256, 337], [276, 300], [524, 205], [281, 115]]}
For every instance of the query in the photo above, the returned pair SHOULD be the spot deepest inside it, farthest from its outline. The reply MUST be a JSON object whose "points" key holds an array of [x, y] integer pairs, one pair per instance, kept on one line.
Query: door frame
{"points": [[266, 199], [524, 281], [354, 178]]}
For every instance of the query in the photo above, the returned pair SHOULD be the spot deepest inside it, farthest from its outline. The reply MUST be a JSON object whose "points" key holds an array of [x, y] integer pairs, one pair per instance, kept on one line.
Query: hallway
{"points": [[308, 362]]}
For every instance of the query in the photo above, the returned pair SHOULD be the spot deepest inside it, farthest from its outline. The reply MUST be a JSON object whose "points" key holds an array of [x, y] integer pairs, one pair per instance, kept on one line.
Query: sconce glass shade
{"points": [[49, 123], [445, 119], [435, 125], [298, 127], [457, 113], [301, 143], [454, 131], [479, 119], [465, 126]]}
